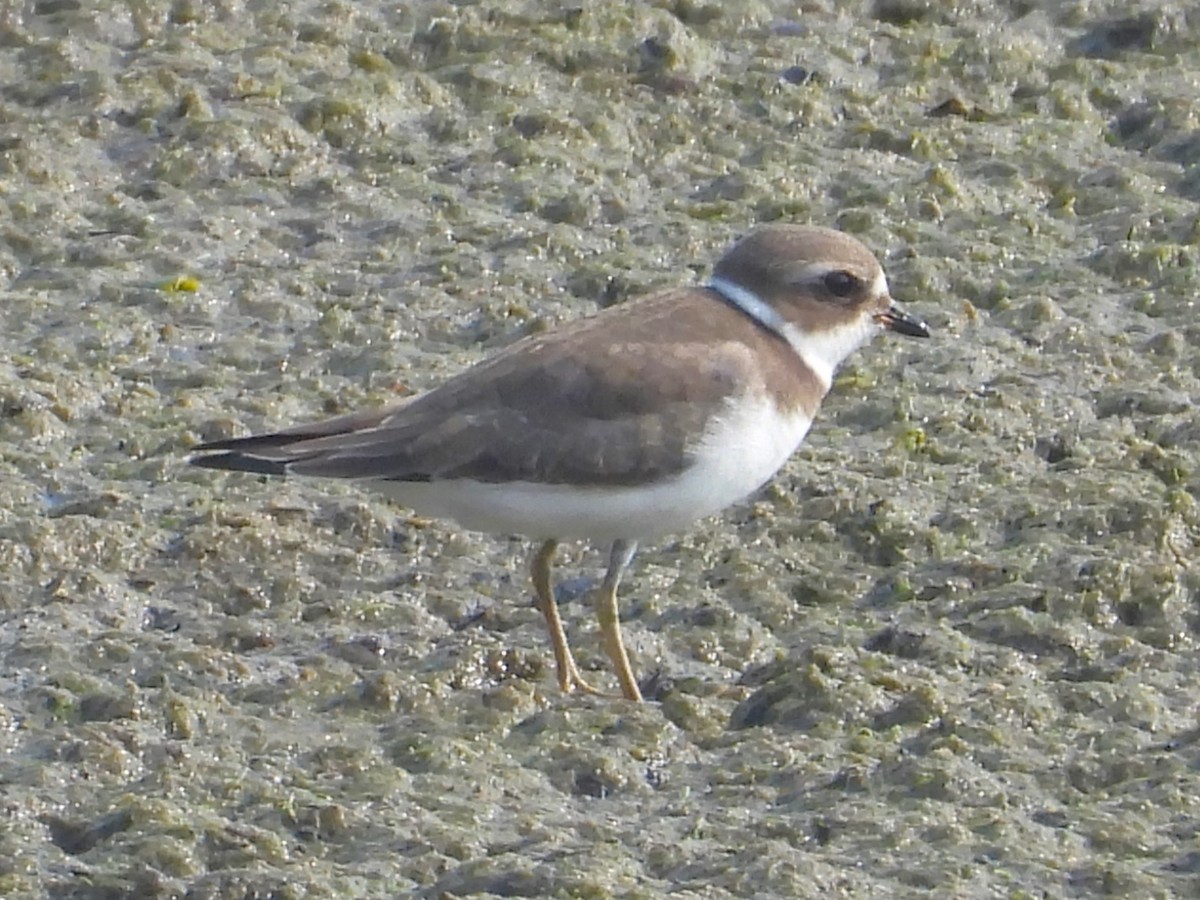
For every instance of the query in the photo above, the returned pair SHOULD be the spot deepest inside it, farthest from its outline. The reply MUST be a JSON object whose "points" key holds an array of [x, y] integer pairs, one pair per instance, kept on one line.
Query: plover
{"points": [[623, 426]]}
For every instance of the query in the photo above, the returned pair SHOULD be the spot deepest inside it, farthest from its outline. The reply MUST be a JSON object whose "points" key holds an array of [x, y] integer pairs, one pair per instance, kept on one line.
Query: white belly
{"points": [[739, 453]]}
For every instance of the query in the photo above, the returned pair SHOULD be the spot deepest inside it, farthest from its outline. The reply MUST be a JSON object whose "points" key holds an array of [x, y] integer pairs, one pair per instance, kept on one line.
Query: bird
{"points": [[619, 427]]}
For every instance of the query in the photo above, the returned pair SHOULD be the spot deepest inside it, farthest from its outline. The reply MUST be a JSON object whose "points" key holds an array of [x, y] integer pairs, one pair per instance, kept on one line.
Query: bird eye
{"points": [[841, 283]]}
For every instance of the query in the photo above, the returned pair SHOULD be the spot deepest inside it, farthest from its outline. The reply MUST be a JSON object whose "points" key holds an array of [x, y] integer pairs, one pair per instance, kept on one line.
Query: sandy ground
{"points": [[950, 651]]}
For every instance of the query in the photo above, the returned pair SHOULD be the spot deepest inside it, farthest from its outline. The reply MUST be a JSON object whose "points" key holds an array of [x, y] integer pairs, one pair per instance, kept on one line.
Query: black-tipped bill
{"points": [[897, 320]]}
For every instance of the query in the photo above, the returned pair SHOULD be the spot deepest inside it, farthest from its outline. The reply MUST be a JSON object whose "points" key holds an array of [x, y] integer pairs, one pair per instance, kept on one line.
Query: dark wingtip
{"points": [[243, 444], [235, 462]]}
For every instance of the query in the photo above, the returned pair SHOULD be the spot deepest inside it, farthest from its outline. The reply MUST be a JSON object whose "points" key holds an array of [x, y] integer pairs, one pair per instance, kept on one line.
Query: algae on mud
{"points": [[962, 663]]}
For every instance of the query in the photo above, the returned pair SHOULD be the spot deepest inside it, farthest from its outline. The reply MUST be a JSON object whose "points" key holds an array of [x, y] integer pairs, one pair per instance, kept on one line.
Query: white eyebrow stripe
{"points": [[813, 271], [817, 270], [751, 304]]}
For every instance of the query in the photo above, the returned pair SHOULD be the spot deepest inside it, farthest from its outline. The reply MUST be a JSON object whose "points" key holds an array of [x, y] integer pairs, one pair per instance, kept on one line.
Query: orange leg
{"points": [[569, 678], [610, 621]]}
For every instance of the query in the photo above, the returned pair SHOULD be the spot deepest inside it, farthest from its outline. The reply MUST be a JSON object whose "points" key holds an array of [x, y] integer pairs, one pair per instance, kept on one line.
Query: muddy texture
{"points": [[950, 651]]}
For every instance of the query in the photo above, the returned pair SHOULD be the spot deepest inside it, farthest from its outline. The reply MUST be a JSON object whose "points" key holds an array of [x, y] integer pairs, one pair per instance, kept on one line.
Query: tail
{"points": [[276, 452], [235, 460]]}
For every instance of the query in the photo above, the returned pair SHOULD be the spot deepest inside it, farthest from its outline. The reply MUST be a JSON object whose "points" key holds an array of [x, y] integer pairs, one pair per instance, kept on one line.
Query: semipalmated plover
{"points": [[619, 427]]}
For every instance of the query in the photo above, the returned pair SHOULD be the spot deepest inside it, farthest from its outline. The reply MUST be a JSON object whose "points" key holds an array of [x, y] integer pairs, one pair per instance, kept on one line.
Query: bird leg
{"points": [[569, 678], [610, 622]]}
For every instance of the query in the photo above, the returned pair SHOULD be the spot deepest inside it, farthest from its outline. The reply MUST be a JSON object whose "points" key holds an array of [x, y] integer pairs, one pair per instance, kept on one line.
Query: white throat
{"points": [[824, 351], [821, 351]]}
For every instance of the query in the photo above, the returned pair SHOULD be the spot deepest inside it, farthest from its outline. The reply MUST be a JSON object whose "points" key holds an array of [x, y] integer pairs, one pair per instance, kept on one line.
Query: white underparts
{"points": [[737, 454]]}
